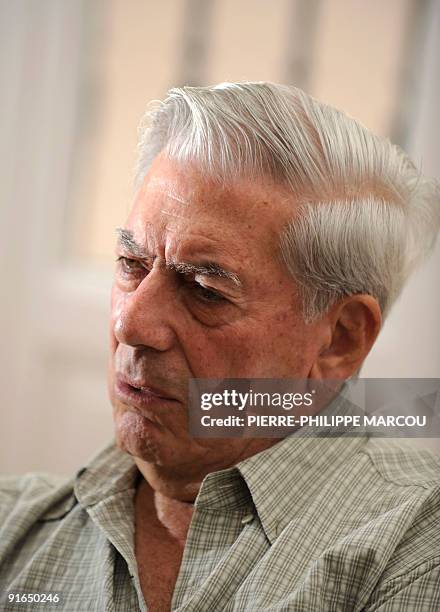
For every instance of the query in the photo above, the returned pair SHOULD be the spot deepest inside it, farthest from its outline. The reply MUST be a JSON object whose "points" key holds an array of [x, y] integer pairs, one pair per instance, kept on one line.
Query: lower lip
{"points": [[140, 398]]}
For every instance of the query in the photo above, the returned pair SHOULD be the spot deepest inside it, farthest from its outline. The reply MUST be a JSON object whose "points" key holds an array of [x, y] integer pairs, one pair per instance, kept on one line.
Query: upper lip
{"points": [[144, 386]]}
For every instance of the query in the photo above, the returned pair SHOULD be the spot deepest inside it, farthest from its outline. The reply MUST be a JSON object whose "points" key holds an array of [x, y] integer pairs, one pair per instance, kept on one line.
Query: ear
{"points": [[354, 324]]}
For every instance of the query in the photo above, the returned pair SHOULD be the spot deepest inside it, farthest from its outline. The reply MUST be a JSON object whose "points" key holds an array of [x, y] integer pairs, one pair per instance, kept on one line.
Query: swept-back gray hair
{"points": [[362, 214]]}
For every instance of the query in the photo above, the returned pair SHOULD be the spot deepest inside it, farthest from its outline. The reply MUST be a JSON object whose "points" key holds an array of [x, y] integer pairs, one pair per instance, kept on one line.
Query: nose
{"points": [[143, 318]]}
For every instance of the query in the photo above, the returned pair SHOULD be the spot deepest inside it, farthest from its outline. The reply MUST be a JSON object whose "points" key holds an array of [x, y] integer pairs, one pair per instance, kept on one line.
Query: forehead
{"points": [[178, 206]]}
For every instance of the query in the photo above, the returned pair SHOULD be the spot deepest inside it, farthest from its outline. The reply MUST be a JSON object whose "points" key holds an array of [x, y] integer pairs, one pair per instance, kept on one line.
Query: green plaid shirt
{"points": [[310, 524]]}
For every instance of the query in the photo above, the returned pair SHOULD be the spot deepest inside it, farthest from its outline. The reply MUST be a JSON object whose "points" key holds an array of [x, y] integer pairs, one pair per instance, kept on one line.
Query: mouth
{"points": [[141, 395]]}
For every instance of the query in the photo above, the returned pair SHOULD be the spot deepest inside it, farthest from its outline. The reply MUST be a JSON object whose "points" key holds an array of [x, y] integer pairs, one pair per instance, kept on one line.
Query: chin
{"points": [[137, 437]]}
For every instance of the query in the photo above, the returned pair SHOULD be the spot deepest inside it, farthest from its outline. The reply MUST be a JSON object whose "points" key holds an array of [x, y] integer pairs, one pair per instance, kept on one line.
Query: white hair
{"points": [[362, 214]]}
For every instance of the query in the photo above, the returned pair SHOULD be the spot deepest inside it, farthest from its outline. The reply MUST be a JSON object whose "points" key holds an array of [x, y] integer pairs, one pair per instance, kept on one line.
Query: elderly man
{"points": [[269, 236]]}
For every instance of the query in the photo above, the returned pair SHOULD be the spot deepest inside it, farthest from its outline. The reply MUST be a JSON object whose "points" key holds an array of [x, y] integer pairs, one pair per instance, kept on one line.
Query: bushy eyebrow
{"points": [[208, 268], [126, 241]]}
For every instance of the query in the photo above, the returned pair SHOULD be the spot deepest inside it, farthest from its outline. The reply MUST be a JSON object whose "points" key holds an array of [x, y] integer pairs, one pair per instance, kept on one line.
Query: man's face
{"points": [[199, 292]]}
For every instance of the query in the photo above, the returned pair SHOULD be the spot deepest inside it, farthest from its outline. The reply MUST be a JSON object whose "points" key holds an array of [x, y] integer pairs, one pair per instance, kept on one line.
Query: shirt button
{"points": [[248, 518]]}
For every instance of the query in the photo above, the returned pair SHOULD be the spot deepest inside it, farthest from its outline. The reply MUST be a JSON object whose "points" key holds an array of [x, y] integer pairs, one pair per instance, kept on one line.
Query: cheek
{"points": [[277, 347], [211, 353], [259, 349], [290, 344]]}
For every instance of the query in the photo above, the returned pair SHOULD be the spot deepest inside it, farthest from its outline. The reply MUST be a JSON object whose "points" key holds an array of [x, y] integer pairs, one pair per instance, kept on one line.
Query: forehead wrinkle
{"points": [[174, 196], [165, 212], [165, 187]]}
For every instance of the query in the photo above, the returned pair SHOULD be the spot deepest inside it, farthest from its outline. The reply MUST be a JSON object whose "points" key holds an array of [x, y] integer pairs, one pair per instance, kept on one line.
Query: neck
{"points": [[182, 482], [168, 483], [156, 510]]}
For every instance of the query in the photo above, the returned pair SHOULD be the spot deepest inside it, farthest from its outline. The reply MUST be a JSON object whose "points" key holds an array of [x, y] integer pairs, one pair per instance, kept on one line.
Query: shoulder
{"points": [[411, 476], [20, 487], [26, 489], [403, 463], [405, 482]]}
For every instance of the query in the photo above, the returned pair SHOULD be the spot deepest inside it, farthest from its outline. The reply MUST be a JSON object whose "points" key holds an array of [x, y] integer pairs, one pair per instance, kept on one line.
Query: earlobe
{"points": [[354, 323]]}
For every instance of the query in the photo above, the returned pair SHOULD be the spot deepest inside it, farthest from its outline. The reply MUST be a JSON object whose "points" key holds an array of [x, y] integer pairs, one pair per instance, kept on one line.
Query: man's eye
{"points": [[207, 295], [131, 266]]}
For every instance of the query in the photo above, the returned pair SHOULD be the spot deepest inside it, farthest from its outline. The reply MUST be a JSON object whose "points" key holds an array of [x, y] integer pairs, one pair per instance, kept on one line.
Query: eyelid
{"points": [[141, 262], [200, 279], [125, 258], [204, 281], [135, 264], [217, 295]]}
